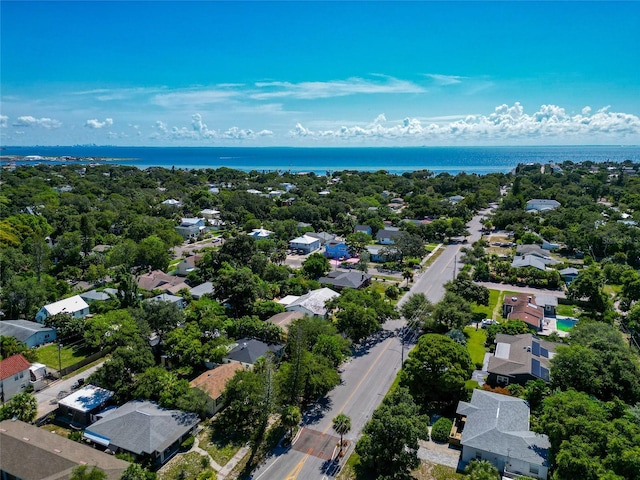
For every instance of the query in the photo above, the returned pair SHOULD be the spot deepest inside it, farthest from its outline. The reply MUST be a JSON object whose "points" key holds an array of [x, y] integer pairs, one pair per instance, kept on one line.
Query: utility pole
{"points": [[59, 361]]}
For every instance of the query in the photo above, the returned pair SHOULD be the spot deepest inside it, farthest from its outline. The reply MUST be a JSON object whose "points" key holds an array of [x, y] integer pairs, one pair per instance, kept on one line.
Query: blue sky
{"points": [[316, 74]]}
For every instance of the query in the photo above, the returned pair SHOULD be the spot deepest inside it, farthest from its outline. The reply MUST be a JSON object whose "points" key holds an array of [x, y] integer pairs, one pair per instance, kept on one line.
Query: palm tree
{"points": [[290, 417], [341, 425], [482, 470], [407, 274]]}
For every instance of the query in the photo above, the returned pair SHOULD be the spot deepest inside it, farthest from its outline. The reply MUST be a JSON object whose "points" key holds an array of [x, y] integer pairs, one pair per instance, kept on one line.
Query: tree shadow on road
{"points": [[367, 344], [317, 411]]}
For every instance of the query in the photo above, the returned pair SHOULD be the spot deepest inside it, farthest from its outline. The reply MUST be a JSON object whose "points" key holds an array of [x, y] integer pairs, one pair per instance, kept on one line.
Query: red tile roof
{"points": [[12, 365]]}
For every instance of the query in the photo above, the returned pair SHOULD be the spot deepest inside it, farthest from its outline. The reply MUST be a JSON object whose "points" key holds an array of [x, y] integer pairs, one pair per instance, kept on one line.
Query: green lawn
{"points": [[475, 343], [494, 296], [184, 466], [567, 310], [68, 355], [220, 450]]}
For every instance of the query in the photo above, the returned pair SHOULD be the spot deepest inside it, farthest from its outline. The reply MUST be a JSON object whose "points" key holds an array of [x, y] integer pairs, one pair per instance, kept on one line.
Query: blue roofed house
{"points": [[569, 274], [94, 296], [32, 334], [336, 249], [520, 358], [74, 306], [495, 428]]}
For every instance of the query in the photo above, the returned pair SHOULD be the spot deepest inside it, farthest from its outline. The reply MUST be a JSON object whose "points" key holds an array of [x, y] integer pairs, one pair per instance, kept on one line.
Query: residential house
{"points": [[94, 296], [158, 280], [546, 245], [569, 274], [288, 300], [191, 227], [387, 236], [533, 249], [74, 306], [172, 202], [529, 261], [253, 191], [31, 453], [166, 297], [541, 205], [81, 408], [32, 334], [143, 429], [324, 237], [288, 186], [520, 358], [201, 290], [313, 303], [495, 428], [339, 280], [284, 319], [523, 307], [260, 233], [455, 199], [187, 265], [213, 382], [336, 249], [305, 243], [247, 350], [14, 376], [363, 229], [210, 214], [380, 253]]}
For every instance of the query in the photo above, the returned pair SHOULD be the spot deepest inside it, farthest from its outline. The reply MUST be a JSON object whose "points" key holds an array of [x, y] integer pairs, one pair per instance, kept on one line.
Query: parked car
{"points": [[488, 321]]}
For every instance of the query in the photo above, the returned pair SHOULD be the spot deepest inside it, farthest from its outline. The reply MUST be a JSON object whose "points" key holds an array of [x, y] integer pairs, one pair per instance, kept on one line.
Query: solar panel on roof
{"points": [[535, 348], [535, 367], [544, 373]]}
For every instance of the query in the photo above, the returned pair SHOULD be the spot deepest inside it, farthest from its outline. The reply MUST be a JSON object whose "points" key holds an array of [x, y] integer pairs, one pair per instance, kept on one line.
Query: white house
{"points": [[74, 306], [187, 265], [172, 202], [305, 243], [14, 376], [210, 213], [313, 303], [496, 428], [260, 233]]}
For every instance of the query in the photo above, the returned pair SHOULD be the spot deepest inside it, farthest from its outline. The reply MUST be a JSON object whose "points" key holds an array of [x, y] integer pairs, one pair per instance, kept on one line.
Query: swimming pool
{"points": [[566, 324]]}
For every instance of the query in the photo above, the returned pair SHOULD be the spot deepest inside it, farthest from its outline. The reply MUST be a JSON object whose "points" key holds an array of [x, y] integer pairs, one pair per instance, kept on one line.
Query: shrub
{"points": [[188, 443], [441, 430]]}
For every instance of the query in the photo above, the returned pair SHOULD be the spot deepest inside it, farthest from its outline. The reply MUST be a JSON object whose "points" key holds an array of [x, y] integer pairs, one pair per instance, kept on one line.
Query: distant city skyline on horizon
{"points": [[320, 74]]}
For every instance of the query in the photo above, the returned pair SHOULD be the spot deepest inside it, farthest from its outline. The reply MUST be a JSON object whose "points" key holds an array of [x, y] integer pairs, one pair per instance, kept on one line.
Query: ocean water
{"points": [[480, 160]]}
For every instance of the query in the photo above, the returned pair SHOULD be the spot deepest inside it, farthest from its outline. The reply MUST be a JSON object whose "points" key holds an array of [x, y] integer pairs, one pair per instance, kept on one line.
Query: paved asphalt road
{"points": [[366, 378]]}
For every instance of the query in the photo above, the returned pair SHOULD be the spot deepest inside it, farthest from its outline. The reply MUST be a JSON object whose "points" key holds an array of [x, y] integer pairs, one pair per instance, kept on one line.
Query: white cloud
{"points": [[95, 123], [29, 121], [194, 97], [334, 88], [506, 122], [200, 131], [4, 121], [444, 80], [586, 110]]}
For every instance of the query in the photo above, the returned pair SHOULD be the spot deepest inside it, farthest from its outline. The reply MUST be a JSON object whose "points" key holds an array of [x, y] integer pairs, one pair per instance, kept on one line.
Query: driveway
{"points": [[514, 288]]}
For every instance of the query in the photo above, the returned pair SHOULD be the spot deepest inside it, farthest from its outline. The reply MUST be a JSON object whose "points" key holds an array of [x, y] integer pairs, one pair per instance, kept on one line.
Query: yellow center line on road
{"points": [[293, 474], [364, 377]]}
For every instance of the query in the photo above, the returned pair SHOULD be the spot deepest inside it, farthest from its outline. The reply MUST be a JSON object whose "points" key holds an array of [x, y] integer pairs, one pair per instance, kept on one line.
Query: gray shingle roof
{"points": [[314, 301], [143, 427], [248, 350], [522, 354], [499, 424], [345, 279], [21, 329], [202, 289]]}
